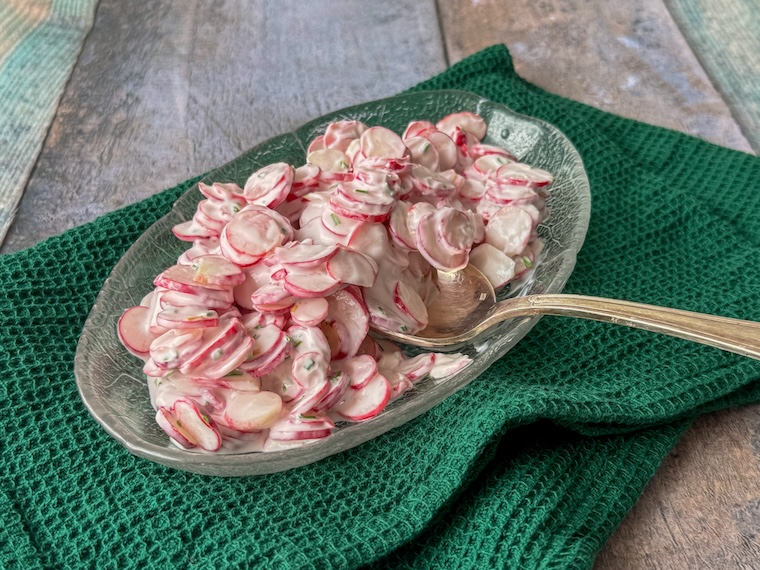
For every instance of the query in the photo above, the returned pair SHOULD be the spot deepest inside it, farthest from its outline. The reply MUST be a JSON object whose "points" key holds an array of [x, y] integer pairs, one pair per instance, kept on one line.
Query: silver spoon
{"points": [[467, 306]]}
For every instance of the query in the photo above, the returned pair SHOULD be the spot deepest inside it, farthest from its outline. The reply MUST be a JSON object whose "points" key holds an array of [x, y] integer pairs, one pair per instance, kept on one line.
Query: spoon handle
{"points": [[733, 335]]}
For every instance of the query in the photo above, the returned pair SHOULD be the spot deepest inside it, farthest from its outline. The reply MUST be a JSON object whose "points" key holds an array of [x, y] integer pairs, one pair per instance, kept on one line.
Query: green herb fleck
{"points": [[404, 328], [217, 354], [205, 418], [335, 219], [305, 417], [361, 191], [235, 209], [297, 342], [526, 260], [343, 164], [309, 365], [425, 147]]}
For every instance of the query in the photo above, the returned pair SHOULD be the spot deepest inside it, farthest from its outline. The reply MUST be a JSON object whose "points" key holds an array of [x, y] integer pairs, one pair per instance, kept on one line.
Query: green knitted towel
{"points": [[531, 466]]}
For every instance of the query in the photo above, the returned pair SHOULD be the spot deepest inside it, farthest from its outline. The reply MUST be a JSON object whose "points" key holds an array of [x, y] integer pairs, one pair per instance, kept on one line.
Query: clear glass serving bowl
{"points": [[110, 380]]}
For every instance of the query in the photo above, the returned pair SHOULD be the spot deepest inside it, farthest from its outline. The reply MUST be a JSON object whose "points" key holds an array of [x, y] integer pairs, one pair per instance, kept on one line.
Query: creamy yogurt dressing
{"points": [[258, 338]]}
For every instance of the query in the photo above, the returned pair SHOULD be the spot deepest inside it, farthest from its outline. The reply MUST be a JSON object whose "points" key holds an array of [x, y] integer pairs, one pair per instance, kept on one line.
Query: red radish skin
{"points": [[367, 402]]}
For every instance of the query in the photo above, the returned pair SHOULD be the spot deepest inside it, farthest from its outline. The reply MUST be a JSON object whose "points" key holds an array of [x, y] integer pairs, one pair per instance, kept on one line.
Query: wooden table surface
{"points": [[168, 89]]}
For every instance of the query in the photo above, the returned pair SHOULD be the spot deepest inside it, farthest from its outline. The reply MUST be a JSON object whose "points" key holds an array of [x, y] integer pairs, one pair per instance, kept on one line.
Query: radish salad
{"points": [[258, 338]]}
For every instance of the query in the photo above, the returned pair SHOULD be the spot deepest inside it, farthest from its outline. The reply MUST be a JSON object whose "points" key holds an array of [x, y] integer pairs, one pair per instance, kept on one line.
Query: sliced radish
{"points": [[367, 402], [305, 179], [517, 173], [254, 278], [214, 340], [383, 143], [272, 297], [271, 348], [348, 320], [423, 152], [369, 347], [317, 283], [191, 231], [175, 347], [231, 356], [269, 186], [430, 183], [464, 120], [223, 192], [448, 153], [449, 364], [132, 330], [336, 224], [308, 339], [409, 303], [309, 312], [509, 230], [352, 267], [318, 143], [305, 256], [398, 383], [173, 427], [252, 411], [340, 134], [309, 368], [418, 367], [215, 270], [255, 231], [333, 164], [187, 317], [418, 128], [360, 369], [339, 383], [198, 427], [480, 149], [497, 266], [182, 278], [301, 427], [399, 228]]}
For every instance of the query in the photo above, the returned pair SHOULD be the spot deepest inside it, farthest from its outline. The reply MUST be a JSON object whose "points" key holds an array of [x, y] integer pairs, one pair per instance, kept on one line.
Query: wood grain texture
{"points": [[702, 509], [724, 36], [628, 58], [169, 89]]}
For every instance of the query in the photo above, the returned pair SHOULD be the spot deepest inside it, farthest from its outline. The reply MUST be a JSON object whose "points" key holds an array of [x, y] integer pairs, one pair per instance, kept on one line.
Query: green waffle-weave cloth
{"points": [[533, 465]]}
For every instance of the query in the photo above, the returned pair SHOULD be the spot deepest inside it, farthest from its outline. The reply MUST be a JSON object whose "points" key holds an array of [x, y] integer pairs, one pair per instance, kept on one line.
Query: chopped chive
{"points": [[343, 164], [235, 209], [205, 418], [361, 191], [297, 343], [217, 354], [335, 219], [309, 365], [404, 328], [305, 417], [526, 260], [425, 147]]}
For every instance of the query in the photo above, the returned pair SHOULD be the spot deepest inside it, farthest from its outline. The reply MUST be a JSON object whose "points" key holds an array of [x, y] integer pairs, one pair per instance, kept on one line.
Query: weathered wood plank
{"points": [[628, 58], [702, 509], [724, 36], [166, 90]]}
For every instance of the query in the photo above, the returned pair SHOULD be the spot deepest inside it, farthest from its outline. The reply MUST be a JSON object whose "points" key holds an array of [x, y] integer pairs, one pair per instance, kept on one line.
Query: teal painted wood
{"points": [[38, 50], [724, 36]]}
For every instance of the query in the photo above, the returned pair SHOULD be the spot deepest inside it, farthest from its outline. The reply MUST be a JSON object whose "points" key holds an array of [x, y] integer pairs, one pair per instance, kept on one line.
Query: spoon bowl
{"points": [[466, 308]]}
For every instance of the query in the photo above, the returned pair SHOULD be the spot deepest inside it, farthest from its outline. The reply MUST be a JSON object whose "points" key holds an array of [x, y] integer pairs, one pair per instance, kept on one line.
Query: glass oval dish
{"points": [[110, 380]]}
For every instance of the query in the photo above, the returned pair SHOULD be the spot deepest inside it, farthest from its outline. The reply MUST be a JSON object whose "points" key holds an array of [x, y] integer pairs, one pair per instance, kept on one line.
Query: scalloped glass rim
{"points": [[111, 383]]}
